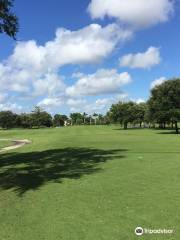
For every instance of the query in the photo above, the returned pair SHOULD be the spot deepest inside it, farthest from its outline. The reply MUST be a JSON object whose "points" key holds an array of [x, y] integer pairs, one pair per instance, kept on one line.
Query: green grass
{"points": [[89, 183], [4, 143]]}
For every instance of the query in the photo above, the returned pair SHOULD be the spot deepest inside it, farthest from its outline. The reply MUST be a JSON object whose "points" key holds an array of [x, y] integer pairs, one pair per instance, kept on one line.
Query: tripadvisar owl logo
{"points": [[139, 231]]}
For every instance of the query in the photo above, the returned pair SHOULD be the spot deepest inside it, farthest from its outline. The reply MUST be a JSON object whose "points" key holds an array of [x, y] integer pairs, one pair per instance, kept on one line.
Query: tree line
{"points": [[162, 108], [39, 118]]}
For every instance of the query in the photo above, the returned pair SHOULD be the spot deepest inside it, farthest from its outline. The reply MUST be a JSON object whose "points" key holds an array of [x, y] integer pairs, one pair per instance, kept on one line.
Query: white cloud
{"points": [[51, 102], [157, 82], [102, 82], [99, 105], [77, 75], [82, 105], [139, 100], [87, 45], [50, 84], [3, 97], [16, 108], [76, 102], [144, 60], [76, 105], [136, 13], [33, 70], [28, 55]]}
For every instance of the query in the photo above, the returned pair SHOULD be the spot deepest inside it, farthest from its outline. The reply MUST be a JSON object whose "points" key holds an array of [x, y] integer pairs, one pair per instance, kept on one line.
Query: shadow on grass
{"points": [[29, 171], [164, 131], [168, 132], [122, 129]]}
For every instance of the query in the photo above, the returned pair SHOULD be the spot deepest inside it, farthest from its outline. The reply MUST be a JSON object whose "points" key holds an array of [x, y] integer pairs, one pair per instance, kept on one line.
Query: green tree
{"points": [[41, 117], [45, 119], [59, 120], [84, 117], [8, 20], [79, 121], [7, 119], [36, 116], [164, 103], [77, 118], [26, 120], [95, 117], [122, 113], [139, 111], [100, 119]]}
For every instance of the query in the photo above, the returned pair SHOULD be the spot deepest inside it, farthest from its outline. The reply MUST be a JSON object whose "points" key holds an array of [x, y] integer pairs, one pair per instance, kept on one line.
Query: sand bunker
{"points": [[15, 144]]}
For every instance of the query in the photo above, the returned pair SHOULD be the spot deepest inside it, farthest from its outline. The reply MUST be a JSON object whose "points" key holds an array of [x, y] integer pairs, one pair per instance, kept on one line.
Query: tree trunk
{"points": [[125, 126], [176, 127]]}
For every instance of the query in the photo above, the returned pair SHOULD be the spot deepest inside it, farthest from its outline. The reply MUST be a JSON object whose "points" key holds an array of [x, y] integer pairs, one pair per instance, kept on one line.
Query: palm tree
{"points": [[95, 115], [84, 117], [90, 119], [101, 118]]}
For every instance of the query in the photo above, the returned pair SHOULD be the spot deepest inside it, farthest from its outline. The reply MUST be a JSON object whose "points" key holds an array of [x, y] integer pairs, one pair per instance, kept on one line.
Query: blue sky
{"points": [[84, 55]]}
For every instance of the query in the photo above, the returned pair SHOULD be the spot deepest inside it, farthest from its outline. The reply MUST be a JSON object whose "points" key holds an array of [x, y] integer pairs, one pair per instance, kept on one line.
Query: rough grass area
{"points": [[90, 183]]}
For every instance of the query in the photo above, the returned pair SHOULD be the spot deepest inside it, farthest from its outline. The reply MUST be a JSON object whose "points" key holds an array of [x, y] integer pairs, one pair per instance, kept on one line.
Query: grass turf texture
{"points": [[4, 143], [84, 183]]}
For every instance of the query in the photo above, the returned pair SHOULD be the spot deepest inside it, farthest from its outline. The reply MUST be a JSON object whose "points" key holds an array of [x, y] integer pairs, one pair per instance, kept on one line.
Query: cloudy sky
{"points": [[84, 55]]}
